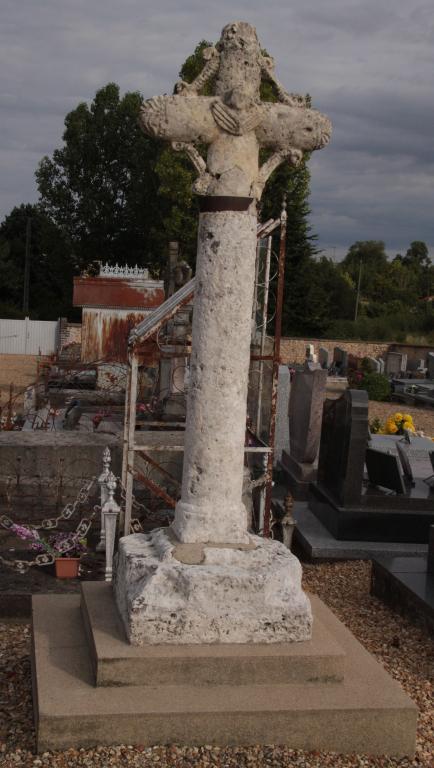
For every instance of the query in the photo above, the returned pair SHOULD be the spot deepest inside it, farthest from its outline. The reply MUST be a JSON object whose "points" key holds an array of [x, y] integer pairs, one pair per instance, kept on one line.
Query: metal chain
{"points": [[50, 523], [47, 558]]}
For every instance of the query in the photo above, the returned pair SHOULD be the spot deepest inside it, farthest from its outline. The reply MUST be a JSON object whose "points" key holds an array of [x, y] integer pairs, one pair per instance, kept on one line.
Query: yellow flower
{"points": [[398, 417], [391, 428], [407, 417], [408, 425]]}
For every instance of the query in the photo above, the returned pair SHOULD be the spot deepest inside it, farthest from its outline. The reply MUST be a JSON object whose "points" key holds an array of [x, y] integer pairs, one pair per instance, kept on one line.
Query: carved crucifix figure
{"points": [[234, 122], [208, 579]]}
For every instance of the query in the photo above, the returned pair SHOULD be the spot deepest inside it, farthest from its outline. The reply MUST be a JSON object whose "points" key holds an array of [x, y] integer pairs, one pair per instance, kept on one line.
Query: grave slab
{"points": [[315, 542], [368, 712], [406, 584]]}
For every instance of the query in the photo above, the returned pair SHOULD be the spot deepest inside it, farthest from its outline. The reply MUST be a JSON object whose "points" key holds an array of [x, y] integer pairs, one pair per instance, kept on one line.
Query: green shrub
{"points": [[376, 384]]}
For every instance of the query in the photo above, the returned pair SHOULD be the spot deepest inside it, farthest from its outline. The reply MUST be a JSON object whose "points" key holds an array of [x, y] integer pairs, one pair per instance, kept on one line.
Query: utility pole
{"points": [[26, 285], [358, 290]]}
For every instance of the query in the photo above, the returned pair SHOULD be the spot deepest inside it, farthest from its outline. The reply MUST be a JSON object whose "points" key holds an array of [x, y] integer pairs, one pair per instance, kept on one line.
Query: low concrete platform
{"points": [[315, 542], [116, 662], [367, 712]]}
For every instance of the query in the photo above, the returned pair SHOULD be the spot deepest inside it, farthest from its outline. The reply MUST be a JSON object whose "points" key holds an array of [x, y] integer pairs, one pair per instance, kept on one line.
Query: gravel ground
{"points": [[404, 649], [423, 418]]}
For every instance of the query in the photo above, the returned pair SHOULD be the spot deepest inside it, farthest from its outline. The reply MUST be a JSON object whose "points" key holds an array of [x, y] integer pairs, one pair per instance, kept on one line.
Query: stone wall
{"points": [[47, 469], [294, 350]]}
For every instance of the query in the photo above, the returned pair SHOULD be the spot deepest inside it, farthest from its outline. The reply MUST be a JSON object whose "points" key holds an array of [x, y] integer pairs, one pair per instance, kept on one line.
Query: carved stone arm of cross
{"points": [[267, 70], [212, 59]]}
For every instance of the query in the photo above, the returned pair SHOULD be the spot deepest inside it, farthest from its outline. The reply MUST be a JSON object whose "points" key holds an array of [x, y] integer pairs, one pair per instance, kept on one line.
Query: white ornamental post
{"points": [[110, 513], [102, 480]]}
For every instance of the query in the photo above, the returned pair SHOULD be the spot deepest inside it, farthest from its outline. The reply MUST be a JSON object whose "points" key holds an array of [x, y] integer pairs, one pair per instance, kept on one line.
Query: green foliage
{"points": [[375, 426], [193, 66], [51, 269], [376, 385], [101, 188]]}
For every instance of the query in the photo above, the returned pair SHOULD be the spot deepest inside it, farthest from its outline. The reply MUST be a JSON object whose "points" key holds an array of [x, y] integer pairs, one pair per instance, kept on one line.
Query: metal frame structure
{"points": [[141, 340]]}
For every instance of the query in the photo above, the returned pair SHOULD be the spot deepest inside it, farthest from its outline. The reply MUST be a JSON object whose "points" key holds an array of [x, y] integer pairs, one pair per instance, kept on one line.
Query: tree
{"points": [[417, 256], [101, 188], [118, 195], [51, 269]]}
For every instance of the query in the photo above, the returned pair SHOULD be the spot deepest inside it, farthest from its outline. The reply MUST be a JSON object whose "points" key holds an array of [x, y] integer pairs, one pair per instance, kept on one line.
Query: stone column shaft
{"points": [[210, 509]]}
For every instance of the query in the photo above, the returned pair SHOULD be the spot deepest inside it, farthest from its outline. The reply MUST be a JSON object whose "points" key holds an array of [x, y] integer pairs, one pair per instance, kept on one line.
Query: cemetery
{"points": [[216, 549]]}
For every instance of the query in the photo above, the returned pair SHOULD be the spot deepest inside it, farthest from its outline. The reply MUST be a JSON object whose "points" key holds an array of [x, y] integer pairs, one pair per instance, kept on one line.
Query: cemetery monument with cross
{"points": [[221, 647], [239, 570]]}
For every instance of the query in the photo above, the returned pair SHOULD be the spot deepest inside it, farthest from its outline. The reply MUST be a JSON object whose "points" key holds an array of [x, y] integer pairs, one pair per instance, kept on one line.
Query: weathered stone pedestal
{"points": [[173, 593]]}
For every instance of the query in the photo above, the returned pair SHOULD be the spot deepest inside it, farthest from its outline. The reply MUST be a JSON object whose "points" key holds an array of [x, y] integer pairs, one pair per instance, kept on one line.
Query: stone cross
{"points": [[207, 579], [235, 124]]}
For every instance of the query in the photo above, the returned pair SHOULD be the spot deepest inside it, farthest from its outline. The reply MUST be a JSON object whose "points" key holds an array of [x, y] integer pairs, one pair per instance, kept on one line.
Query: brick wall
{"points": [[19, 370], [294, 350], [70, 333]]}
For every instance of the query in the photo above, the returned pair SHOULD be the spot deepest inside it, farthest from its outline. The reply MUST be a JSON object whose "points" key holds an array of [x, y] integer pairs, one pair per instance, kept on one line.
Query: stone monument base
{"points": [[378, 516], [169, 592], [298, 476], [91, 687]]}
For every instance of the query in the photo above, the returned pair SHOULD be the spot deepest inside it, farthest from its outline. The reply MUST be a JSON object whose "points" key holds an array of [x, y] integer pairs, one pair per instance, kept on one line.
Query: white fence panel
{"points": [[28, 337]]}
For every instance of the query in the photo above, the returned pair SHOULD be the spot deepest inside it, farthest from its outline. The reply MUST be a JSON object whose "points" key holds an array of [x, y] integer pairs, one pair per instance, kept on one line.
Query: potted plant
{"points": [[65, 549]]}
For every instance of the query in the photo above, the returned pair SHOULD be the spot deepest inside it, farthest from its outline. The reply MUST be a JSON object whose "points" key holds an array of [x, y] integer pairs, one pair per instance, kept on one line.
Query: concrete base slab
{"points": [[116, 662], [315, 542], [366, 713]]}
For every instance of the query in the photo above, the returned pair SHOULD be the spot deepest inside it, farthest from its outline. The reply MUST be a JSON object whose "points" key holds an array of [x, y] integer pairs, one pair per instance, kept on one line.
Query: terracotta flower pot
{"points": [[67, 567]]}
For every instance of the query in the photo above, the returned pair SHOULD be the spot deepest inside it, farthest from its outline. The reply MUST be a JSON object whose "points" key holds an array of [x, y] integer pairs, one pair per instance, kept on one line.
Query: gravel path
{"points": [[404, 649]]}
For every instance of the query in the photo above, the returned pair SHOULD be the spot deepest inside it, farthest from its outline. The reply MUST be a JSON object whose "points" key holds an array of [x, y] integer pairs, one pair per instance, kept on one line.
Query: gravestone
{"points": [[281, 441], [405, 463], [344, 436], [350, 506], [384, 470], [375, 364], [396, 363], [430, 363], [381, 364], [340, 360], [430, 564], [305, 413], [324, 358]]}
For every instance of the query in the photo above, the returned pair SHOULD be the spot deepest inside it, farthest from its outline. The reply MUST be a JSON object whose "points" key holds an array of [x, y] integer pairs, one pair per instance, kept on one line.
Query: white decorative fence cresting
{"points": [[28, 337]]}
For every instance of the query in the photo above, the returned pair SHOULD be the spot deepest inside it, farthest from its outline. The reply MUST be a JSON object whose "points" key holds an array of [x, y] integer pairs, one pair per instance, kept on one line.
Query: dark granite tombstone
{"points": [[346, 503], [430, 564], [340, 360], [384, 470], [324, 357], [344, 436], [405, 463], [430, 362]]}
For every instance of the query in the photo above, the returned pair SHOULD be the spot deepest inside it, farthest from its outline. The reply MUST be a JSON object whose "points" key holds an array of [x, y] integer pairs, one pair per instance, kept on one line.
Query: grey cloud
{"points": [[367, 64]]}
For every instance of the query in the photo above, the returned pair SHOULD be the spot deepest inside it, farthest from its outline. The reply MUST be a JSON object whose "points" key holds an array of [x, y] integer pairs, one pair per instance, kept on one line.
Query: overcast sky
{"points": [[368, 64]]}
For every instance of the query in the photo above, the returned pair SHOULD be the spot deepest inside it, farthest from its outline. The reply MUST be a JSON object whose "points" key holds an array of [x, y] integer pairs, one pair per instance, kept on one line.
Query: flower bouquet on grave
{"points": [[62, 549], [398, 424]]}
